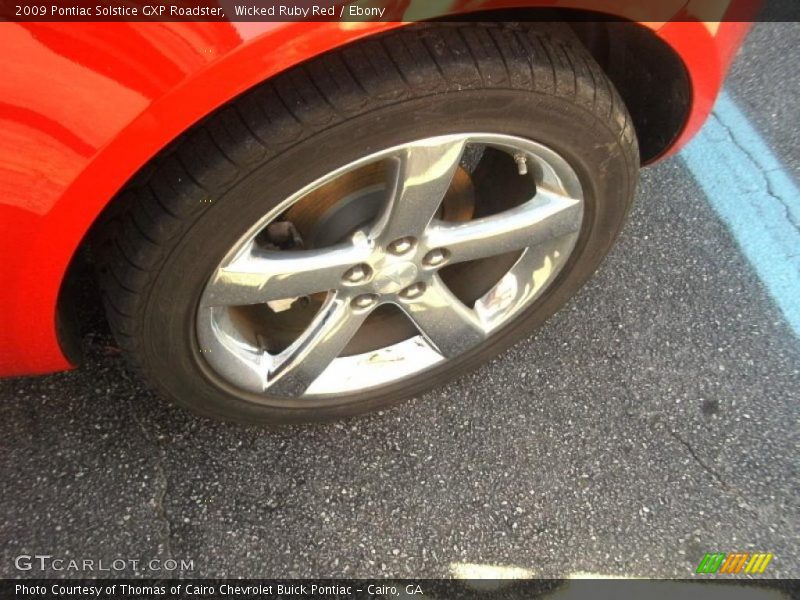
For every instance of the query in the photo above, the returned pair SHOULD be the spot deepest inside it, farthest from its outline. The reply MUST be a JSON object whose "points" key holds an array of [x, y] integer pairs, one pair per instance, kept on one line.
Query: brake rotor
{"points": [[355, 199]]}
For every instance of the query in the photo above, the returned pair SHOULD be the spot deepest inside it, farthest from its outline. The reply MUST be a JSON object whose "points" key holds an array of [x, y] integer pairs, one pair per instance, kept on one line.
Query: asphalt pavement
{"points": [[653, 419]]}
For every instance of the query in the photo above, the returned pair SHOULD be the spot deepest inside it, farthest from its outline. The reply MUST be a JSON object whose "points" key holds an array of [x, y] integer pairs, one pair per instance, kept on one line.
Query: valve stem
{"points": [[522, 163]]}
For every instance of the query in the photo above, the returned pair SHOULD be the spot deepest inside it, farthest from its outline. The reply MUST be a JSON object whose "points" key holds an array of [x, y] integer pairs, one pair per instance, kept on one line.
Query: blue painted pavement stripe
{"points": [[755, 197]]}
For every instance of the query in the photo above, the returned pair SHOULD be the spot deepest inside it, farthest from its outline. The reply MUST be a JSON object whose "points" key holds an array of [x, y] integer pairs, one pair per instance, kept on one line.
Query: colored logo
{"points": [[734, 562]]}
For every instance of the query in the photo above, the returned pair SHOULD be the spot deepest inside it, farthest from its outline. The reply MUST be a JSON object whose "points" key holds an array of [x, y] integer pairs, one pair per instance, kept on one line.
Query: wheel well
{"points": [[648, 74]]}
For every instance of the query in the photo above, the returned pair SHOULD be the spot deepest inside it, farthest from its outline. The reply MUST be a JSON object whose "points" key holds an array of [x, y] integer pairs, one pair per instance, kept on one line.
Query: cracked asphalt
{"points": [[653, 419]]}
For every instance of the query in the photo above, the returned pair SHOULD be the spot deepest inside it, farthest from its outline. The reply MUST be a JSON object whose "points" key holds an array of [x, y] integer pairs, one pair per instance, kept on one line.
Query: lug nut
{"points": [[402, 245], [435, 257], [357, 274], [415, 290], [364, 301]]}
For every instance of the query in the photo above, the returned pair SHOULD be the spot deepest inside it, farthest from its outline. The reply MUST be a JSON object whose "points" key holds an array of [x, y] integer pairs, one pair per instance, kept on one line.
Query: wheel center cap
{"points": [[394, 277]]}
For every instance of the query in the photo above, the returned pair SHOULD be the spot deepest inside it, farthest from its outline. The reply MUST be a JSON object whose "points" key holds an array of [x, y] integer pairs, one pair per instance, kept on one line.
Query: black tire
{"points": [[170, 227]]}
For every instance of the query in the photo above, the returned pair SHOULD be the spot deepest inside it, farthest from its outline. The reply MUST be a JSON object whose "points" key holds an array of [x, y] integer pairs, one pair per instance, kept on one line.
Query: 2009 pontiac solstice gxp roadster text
{"points": [[300, 221]]}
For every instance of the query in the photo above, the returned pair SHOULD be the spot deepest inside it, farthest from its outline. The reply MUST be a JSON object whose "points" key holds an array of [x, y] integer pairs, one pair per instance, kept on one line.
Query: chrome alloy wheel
{"points": [[396, 258]]}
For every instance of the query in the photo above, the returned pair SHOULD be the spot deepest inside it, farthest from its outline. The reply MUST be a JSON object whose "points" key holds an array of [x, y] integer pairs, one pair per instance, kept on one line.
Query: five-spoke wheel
{"points": [[396, 259]]}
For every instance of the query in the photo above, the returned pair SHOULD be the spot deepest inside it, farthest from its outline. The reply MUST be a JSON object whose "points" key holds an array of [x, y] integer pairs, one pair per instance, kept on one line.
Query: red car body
{"points": [[83, 106]]}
